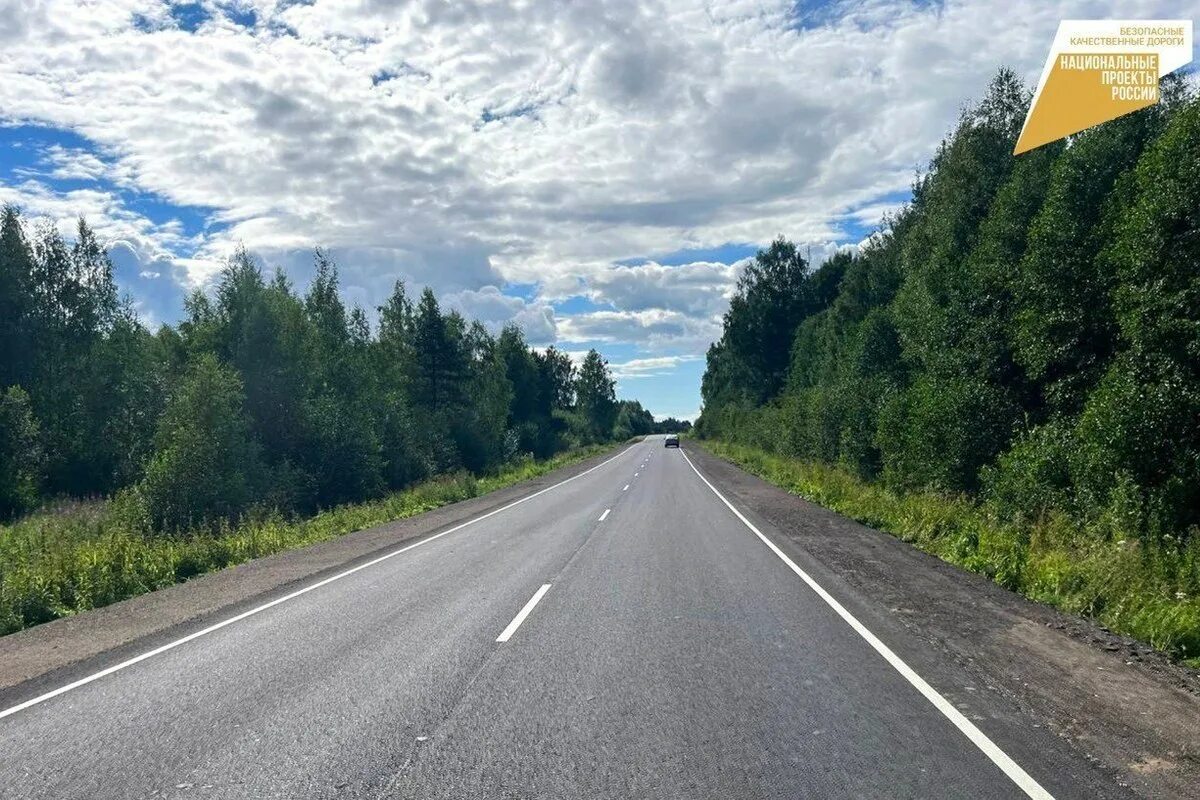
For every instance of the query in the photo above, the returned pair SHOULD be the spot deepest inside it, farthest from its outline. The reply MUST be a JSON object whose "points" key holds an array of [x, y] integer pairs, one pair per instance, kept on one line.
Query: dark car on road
{"points": [[672, 440]]}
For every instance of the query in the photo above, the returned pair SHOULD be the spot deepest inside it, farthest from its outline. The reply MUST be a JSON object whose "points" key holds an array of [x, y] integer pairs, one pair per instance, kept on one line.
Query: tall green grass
{"points": [[1149, 592], [80, 556]]}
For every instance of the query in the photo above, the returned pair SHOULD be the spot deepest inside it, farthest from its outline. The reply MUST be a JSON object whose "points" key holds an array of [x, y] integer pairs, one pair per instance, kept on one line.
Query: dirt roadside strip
{"points": [[50, 653], [1116, 701]]}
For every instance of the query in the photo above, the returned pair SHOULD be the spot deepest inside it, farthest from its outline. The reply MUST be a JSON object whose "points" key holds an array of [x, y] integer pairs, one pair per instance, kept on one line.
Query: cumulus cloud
{"points": [[114, 222], [157, 285], [496, 309], [699, 289], [669, 307], [655, 367], [472, 145], [662, 122], [655, 329]]}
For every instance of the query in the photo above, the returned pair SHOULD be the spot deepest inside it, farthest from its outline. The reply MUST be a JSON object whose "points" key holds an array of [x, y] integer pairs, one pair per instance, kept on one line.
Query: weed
{"points": [[1150, 591], [80, 556]]}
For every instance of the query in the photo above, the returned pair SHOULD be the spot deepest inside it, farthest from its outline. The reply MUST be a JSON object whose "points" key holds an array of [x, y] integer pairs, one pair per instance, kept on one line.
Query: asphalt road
{"points": [[676, 653]]}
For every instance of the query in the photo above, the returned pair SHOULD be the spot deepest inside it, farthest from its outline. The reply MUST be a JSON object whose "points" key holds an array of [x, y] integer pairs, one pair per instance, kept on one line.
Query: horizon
{"points": [[523, 183]]}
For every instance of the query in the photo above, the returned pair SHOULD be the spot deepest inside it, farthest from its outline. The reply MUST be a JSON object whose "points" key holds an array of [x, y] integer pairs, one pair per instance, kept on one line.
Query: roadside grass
{"points": [[1151, 593], [83, 555]]}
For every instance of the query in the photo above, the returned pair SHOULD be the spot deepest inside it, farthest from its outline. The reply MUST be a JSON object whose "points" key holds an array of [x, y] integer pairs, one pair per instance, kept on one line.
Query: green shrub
{"points": [[62, 561], [940, 432], [205, 465], [344, 454], [22, 459], [1147, 590], [1137, 453], [1033, 476]]}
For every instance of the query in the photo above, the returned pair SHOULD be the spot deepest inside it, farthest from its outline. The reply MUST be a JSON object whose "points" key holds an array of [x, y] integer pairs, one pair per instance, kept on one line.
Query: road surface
{"points": [[624, 634]]}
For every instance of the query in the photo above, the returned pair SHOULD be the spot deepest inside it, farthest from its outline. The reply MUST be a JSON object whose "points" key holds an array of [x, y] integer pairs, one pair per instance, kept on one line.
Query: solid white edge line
{"points": [[998, 757], [293, 595], [605, 514], [507, 633]]}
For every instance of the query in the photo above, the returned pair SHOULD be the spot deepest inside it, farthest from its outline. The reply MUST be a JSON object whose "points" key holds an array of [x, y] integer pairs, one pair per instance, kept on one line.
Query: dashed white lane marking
{"points": [[507, 633], [278, 601], [605, 514], [1001, 759], [626, 489]]}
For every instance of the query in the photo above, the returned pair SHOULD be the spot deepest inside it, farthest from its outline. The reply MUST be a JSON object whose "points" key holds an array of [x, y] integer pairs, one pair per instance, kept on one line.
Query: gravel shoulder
{"points": [[57, 652], [1117, 702]]}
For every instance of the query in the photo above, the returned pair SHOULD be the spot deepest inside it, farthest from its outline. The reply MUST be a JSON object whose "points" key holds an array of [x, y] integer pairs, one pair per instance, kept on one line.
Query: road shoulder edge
{"points": [[52, 653], [1126, 717]]}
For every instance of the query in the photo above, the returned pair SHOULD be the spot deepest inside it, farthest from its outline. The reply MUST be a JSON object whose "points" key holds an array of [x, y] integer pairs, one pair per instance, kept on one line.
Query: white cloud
{"points": [[649, 367], [690, 415], [872, 214], [495, 309], [472, 144], [113, 221], [699, 289], [75, 164], [654, 329]]}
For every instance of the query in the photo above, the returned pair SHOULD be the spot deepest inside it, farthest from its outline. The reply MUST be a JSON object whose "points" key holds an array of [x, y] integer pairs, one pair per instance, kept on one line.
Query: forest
{"points": [[131, 458], [1021, 339], [261, 396]]}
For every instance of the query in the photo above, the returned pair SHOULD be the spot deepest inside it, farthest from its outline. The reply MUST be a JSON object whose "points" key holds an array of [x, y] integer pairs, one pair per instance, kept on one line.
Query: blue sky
{"points": [[598, 179], [668, 381]]}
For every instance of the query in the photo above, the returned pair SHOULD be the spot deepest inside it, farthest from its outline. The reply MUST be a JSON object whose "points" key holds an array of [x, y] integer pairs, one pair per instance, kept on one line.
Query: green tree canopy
{"points": [[596, 397], [205, 464]]}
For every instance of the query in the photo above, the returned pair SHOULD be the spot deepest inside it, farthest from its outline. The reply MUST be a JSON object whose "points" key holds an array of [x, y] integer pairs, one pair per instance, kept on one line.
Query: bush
{"points": [[1137, 454], [1033, 476], [205, 465], [940, 432], [86, 555], [22, 460], [343, 452], [1151, 590]]}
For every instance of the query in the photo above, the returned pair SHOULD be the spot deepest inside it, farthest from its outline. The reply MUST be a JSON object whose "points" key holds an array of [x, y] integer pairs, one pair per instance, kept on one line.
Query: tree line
{"points": [[261, 396], [1025, 330]]}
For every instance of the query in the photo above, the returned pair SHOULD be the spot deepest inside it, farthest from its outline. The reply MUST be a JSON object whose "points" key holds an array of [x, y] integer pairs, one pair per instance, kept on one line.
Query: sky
{"points": [[596, 172]]}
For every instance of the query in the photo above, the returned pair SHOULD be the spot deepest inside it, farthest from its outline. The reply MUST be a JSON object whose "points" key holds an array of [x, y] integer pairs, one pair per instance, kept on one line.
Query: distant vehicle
{"points": [[672, 440]]}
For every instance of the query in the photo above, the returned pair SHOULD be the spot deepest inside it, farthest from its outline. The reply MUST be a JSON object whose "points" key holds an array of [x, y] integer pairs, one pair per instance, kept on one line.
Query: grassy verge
{"points": [[86, 555], [1150, 593]]}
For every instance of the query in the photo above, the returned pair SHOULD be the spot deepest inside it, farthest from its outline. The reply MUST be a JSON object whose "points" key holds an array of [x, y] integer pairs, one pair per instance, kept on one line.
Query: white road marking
{"points": [[626, 489], [605, 514], [522, 614], [1001, 759], [292, 596], [636, 474]]}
